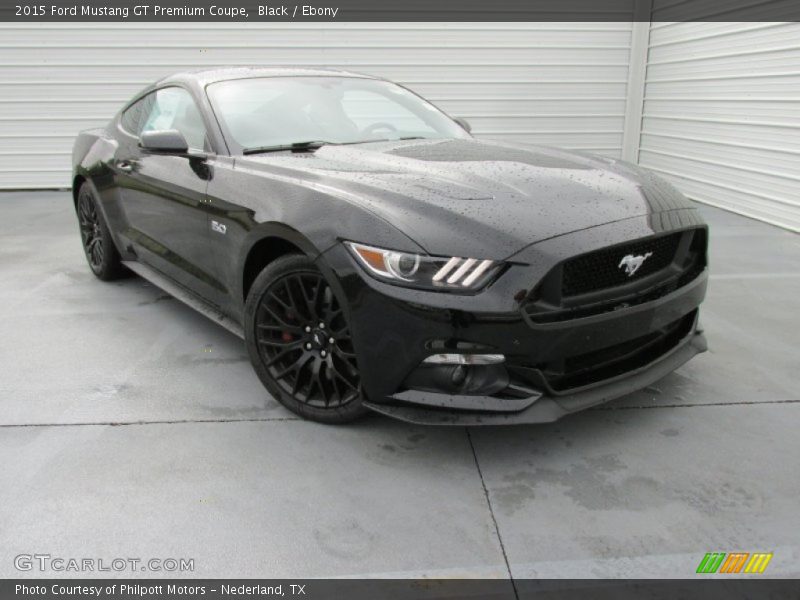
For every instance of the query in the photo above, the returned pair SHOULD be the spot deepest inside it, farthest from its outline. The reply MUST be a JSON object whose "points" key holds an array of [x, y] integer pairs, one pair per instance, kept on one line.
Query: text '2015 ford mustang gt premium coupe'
{"points": [[374, 255]]}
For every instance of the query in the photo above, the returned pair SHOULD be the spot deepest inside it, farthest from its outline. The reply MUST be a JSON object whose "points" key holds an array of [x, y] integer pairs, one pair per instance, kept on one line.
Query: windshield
{"points": [[280, 111]]}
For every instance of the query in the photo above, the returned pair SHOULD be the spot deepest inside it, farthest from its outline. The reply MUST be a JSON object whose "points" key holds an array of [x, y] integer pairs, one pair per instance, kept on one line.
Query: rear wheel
{"points": [[299, 342], [101, 254]]}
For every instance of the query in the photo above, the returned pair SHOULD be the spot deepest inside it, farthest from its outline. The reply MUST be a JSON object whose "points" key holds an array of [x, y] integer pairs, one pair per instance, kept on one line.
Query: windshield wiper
{"points": [[314, 144], [399, 139], [310, 145]]}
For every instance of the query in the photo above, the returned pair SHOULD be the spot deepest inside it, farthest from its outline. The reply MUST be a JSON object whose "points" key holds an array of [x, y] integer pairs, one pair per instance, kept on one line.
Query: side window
{"points": [[174, 108]]}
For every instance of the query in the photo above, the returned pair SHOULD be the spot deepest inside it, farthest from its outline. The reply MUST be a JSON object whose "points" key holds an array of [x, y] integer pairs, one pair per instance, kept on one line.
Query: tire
{"points": [[299, 342], [98, 245]]}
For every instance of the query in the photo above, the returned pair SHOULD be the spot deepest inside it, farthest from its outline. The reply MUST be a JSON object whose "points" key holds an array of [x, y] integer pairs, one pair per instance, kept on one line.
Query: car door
{"points": [[164, 195]]}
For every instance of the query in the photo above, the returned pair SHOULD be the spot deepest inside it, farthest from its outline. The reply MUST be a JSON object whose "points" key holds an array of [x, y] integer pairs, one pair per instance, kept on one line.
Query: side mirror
{"points": [[463, 123], [165, 140]]}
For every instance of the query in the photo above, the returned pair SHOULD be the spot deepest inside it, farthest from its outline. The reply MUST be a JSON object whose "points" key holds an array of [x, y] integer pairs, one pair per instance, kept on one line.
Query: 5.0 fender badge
{"points": [[632, 263], [218, 227]]}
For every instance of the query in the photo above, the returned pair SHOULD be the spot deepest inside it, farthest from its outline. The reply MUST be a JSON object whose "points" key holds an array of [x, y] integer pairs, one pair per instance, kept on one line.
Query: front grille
{"points": [[594, 283], [599, 365], [602, 269]]}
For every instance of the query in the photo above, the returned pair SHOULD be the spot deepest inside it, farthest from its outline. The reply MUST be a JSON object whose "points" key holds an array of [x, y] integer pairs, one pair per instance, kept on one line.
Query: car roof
{"points": [[203, 77]]}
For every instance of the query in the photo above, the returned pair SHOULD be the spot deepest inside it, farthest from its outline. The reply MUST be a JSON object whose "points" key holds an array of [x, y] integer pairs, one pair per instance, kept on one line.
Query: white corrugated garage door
{"points": [[555, 83], [721, 115]]}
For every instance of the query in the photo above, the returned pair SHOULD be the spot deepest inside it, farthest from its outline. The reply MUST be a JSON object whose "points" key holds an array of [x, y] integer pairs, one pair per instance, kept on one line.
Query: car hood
{"points": [[476, 198]]}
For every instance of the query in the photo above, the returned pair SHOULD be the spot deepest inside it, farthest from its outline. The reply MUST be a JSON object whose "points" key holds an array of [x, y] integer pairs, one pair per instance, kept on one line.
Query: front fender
{"points": [[255, 206]]}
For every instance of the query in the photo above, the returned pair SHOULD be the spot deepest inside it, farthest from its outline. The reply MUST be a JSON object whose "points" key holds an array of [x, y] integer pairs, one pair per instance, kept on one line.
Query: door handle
{"points": [[125, 165]]}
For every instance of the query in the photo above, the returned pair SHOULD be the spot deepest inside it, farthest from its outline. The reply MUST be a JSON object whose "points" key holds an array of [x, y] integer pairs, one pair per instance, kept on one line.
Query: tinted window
{"points": [[273, 111], [174, 108]]}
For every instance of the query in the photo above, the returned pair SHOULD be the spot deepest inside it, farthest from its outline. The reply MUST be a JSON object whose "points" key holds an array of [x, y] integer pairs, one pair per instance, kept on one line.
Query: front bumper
{"points": [[394, 329], [545, 409]]}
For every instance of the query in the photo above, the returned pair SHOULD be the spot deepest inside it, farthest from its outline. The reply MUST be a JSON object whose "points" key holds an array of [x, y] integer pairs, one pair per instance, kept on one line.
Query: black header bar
{"points": [[398, 10]]}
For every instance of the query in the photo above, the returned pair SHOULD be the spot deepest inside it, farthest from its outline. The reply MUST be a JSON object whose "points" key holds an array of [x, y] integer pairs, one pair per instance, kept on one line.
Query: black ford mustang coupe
{"points": [[374, 255]]}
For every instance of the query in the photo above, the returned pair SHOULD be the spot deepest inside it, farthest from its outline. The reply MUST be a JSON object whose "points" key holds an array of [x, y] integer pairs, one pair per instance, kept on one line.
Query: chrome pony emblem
{"points": [[632, 263]]}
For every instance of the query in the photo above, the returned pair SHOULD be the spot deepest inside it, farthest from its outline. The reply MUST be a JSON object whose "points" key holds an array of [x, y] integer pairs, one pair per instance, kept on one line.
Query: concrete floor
{"points": [[130, 426]]}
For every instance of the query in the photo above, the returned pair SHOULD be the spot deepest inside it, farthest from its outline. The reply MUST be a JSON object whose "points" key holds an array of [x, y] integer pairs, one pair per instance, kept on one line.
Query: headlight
{"points": [[426, 272]]}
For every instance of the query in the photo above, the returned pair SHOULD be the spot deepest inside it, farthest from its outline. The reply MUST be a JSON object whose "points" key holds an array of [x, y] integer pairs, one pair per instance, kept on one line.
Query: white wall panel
{"points": [[721, 115], [720, 110], [560, 84]]}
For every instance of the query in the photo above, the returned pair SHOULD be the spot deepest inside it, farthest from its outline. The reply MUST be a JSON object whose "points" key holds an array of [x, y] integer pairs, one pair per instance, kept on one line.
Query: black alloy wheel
{"points": [[300, 342], [99, 248], [90, 230]]}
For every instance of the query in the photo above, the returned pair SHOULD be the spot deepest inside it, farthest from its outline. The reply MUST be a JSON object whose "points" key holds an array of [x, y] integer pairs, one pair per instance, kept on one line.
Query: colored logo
{"points": [[734, 562]]}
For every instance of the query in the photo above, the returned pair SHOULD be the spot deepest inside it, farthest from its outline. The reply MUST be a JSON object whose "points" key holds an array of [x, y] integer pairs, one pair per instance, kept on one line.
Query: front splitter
{"points": [[551, 408]]}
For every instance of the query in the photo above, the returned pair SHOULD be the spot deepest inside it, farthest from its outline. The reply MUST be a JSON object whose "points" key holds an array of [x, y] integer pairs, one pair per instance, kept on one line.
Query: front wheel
{"points": [[98, 246], [299, 342]]}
